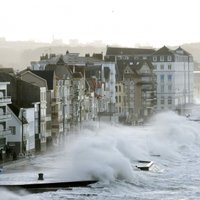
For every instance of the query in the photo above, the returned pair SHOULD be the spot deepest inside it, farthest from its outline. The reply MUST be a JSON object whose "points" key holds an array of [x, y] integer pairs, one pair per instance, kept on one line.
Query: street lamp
{"points": [[22, 142], [110, 107], [80, 112], [64, 105]]}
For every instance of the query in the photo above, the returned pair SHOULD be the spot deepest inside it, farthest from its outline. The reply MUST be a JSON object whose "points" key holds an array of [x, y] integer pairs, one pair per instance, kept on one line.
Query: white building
{"points": [[22, 126], [196, 86], [174, 70], [110, 81], [4, 115]]}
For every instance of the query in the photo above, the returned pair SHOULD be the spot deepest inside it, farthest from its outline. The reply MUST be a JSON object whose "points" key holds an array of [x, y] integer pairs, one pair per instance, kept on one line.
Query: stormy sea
{"points": [[110, 154]]}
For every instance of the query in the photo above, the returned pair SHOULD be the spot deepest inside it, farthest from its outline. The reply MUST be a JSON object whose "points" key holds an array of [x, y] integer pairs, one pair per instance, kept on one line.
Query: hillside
{"points": [[19, 54]]}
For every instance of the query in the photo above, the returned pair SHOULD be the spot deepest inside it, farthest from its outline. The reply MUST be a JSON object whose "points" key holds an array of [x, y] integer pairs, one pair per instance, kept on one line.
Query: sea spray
{"points": [[175, 132], [111, 153]]}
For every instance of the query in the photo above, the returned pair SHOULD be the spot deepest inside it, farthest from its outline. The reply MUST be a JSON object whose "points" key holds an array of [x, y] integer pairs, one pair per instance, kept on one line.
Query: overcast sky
{"points": [[123, 22]]}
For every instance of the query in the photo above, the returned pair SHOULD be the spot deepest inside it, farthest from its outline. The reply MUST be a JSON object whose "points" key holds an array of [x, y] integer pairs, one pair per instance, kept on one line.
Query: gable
{"points": [[145, 68], [128, 70], [33, 79]]}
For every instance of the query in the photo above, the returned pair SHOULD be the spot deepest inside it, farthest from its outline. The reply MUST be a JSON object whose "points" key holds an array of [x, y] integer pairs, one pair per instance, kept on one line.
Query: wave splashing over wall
{"points": [[111, 152]]}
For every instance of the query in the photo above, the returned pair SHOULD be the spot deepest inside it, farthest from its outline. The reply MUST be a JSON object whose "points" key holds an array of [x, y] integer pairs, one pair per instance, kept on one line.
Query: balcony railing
{"points": [[5, 99], [5, 132], [5, 116], [145, 82], [57, 126], [146, 74], [55, 100]]}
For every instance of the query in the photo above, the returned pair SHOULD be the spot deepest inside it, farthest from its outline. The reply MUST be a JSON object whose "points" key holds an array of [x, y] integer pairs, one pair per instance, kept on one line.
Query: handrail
{"points": [[5, 99]]}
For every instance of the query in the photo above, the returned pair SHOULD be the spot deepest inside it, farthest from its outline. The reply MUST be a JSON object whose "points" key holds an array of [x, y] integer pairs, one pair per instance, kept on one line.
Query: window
{"points": [[125, 57], [119, 88], [162, 78], [161, 67], [154, 58], [119, 57], [169, 67], [155, 66], [162, 100], [13, 130], [169, 77], [169, 88], [119, 99], [116, 88], [169, 100], [161, 58], [162, 88], [116, 98], [126, 71], [169, 58]]}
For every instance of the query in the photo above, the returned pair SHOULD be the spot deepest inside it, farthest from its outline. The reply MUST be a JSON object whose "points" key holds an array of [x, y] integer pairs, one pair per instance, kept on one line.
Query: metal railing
{"points": [[6, 99], [5, 116], [5, 132]]}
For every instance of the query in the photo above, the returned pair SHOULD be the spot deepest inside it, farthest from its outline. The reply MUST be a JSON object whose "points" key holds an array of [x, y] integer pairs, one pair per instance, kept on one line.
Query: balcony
{"points": [[148, 89], [48, 117], [57, 128], [5, 132], [6, 100], [143, 74], [149, 104], [145, 82], [55, 100], [5, 116]]}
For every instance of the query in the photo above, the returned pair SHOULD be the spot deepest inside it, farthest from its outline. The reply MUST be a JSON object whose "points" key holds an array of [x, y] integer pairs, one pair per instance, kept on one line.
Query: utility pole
{"points": [[22, 120], [64, 120], [110, 109], [80, 115], [99, 110]]}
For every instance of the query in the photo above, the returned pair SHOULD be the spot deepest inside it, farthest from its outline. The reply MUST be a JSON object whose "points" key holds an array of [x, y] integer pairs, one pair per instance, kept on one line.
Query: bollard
{"points": [[40, 177]]}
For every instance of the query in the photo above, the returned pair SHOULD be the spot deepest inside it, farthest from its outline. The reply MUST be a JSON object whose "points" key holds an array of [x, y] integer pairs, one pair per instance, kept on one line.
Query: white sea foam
{"points": [[111, 153]]}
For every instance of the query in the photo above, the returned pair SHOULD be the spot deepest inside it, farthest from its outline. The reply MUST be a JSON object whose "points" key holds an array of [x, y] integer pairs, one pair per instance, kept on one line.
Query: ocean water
{"points": [[111, 153]]}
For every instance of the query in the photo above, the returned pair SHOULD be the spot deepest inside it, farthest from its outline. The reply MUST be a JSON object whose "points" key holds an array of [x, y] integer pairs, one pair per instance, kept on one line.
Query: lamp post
{"points": [[22, 144], [99, 110], [64, 105], [80, 112], [110, 108]]}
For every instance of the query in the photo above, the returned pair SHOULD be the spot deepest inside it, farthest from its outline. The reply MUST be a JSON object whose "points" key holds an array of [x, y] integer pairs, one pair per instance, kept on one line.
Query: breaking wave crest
{"points": [[111, 152]]}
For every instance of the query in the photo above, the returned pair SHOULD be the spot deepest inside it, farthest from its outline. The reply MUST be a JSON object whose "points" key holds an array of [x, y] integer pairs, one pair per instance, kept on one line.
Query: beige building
{"points": [[136, 93]]}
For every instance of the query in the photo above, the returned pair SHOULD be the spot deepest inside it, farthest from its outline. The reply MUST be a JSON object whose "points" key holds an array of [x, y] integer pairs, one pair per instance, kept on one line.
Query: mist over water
{"points": [[110, 154]]}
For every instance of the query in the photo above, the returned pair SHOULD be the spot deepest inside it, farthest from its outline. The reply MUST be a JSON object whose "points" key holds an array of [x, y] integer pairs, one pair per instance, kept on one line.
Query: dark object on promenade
{"points": [[45, 186], [14, 155]]}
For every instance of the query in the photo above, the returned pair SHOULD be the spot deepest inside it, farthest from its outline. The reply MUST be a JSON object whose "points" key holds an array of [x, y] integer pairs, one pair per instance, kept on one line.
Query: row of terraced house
{"points": [[61, 94]]}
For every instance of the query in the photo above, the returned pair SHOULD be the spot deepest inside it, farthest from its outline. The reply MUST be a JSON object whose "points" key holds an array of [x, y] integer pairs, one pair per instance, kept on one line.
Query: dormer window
{"points": [[169, 58], [154, 58], [162, 58]]}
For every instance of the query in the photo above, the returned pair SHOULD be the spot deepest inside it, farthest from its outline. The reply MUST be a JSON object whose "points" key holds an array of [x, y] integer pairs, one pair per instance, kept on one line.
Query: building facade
{"points": [[5, 116], [174, 71]]}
